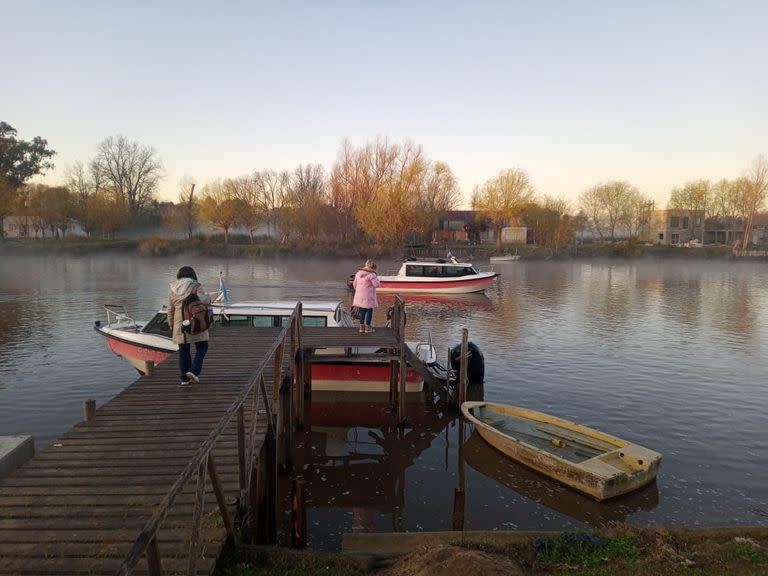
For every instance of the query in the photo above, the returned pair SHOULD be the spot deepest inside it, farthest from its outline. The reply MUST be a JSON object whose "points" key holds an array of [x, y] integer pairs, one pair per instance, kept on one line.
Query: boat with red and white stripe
{"points": [[147, 344], [437, 276]]}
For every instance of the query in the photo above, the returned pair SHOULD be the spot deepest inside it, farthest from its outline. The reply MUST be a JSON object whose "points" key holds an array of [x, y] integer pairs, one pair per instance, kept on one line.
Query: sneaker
{"points": [[362, 329], [193, 377], [369, 330], [184, 383]]}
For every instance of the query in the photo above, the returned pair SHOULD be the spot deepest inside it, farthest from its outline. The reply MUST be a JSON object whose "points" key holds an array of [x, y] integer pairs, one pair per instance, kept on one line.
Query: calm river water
{"points": [[669, 354]]}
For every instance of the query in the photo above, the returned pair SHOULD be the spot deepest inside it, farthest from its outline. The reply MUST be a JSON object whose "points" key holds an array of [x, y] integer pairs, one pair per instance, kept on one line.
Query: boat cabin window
{"points": [[158, 325], [425, 271], [311, 321]]}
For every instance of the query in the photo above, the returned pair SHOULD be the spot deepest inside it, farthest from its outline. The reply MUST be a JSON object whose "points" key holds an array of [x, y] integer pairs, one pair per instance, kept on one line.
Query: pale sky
{"points": [[575, 93]]}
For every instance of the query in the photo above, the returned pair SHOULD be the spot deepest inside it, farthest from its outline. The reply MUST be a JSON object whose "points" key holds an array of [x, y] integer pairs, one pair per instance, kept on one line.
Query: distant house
{"points": [[723, 230], [673, 227], [462, 226]]}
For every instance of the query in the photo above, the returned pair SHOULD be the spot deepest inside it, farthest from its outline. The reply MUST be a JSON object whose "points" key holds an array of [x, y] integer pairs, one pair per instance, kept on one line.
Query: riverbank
{"points": [[618, 551], [160, 246]]}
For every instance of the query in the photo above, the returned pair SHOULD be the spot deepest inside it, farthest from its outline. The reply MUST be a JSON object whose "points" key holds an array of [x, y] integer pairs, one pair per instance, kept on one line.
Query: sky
{"points": [[575, 93]]}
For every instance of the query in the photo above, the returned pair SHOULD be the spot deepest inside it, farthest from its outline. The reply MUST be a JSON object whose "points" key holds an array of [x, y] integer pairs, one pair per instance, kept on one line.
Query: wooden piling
{"points": [[458, 509], [298, 513], [463, 366], [89, 410]]}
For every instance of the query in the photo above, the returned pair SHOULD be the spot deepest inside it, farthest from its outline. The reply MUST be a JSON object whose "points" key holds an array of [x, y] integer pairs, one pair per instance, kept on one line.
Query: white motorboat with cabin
{"points": [[144, 344], [443, 276]]}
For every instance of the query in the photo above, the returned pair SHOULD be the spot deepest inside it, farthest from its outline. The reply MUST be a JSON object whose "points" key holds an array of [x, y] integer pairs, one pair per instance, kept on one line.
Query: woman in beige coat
{"points": [[185, 283]]}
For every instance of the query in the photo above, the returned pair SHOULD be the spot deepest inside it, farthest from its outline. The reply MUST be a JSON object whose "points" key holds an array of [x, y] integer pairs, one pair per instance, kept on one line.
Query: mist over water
{"points": [[668, 354]]}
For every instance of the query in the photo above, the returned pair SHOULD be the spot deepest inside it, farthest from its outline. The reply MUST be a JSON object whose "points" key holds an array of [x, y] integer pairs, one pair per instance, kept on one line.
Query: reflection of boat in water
{"points": [[534, 486], [585, 459], [354, 455], [473, 300]]}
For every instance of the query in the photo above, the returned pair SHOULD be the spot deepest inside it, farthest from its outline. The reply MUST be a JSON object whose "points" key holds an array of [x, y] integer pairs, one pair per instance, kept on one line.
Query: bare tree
{"points": [[131, 169], [306, 201], [503, 198], [609, 205], [270, 189], [756, 182]]}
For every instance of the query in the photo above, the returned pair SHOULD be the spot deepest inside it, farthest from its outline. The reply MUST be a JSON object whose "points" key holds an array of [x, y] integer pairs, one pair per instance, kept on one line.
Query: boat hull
{"points": [[359, 377], [140, 356], [436, 286], [620, 468]]}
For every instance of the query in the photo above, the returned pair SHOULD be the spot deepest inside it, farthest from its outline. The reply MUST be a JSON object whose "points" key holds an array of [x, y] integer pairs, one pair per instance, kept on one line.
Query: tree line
{"points": [[378, 192]]}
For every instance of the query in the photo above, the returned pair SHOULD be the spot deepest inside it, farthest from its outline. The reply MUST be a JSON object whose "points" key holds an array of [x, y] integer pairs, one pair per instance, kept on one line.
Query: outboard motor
{"points": [[475, 362]]}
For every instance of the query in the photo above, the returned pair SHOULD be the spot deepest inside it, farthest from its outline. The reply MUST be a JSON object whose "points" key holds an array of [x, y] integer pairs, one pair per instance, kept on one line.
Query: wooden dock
{"points": [[157, 479]]}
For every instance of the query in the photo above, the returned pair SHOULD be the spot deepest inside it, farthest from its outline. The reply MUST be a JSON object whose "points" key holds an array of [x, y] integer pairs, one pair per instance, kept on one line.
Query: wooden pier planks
{"points": [[78, 506]]}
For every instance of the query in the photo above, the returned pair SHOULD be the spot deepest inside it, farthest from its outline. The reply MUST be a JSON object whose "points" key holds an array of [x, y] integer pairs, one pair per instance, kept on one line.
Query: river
{"points": [[669, 354]]}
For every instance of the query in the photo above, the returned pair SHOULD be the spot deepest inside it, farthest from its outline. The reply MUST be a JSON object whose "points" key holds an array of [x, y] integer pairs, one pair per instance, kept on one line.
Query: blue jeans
{"points": [[366, 315], [185, 358]]}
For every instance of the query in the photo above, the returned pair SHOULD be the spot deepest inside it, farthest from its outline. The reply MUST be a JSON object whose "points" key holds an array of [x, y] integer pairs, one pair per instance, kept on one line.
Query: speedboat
{"points": [[441, 276], [146, 344]]}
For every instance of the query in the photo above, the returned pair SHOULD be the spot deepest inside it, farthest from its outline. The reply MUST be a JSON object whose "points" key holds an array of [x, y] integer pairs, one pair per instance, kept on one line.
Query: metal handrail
{"points": [[146, 541], [118, 313]]}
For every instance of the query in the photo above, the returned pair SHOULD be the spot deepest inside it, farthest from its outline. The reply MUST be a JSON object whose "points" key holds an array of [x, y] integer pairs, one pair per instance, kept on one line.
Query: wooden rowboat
{"points": [[597, 464]]}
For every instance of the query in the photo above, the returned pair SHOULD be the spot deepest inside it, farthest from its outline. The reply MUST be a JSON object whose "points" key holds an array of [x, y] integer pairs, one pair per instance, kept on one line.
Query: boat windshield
{"points": [[158, 325], [435, 271]]}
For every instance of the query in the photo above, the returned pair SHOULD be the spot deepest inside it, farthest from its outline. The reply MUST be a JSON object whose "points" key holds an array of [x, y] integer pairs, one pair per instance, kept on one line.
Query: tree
{"points": [[107, 212], [503, 199], [185, 210], [131, 170], [246, 190], [694, 196], [20, 160], [219, 207], [270, 190], [305, 202], [610, 205], [756, 188], [439, 195]]}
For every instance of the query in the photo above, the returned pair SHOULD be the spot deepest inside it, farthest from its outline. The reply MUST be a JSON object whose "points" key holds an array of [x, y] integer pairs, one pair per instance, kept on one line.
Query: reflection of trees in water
{"points": [[607, 291], [682, 292], [16, 315], [732, 305]]}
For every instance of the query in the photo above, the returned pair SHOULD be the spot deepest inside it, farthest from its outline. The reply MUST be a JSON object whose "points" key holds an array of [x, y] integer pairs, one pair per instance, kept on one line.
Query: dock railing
{"points": [[251, 480]]}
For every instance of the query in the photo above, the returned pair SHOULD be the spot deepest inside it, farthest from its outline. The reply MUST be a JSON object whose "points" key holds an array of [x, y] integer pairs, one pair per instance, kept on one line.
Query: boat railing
{"points": [[118, 317]]}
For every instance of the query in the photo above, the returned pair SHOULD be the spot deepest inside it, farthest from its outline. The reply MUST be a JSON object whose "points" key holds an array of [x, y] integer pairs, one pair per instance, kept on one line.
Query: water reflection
{"points": [[356, 463]]}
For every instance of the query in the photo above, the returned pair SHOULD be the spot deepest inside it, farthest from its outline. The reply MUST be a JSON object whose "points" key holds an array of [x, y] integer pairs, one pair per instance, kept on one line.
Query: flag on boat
{"points": [[223, 289]]}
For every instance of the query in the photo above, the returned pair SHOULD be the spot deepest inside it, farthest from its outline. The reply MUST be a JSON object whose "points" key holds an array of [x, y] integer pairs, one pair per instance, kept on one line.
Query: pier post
{"points": [[89, 410], [393, 382], [463, 366], [298, 513], [284, 423], [403, 366]]}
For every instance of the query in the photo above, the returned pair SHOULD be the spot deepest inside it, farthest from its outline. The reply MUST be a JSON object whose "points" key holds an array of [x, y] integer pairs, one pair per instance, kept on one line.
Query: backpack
{"points": [[198, 313]]}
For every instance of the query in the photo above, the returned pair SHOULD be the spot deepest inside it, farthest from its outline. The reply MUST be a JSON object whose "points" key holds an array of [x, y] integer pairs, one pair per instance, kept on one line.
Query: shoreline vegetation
{"points": [[621, 550], [155, 246]]}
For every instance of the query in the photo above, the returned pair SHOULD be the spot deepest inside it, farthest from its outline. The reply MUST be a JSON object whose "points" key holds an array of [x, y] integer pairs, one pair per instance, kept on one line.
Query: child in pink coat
{"points": [[365, 283]]}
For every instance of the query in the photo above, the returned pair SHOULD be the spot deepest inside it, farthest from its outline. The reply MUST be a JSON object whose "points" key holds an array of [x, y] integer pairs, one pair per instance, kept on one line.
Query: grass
{"points": [[618, 551], [283, 562]]}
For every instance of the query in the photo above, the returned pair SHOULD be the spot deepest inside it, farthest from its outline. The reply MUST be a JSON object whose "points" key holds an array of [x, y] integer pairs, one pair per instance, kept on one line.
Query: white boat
{"points": [[505, 258], [592, 462], [437, 276], [143, 344]]}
